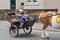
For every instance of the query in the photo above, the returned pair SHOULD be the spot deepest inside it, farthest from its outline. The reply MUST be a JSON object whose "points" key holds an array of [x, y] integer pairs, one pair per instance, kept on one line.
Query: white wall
{"points": [[37, 5], [51, 4], [4, 4], [41, 4]]}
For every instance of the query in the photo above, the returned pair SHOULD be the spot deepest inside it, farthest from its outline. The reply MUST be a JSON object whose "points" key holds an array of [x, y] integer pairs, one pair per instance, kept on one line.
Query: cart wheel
{"points": [[27, 30], [13, 31]]}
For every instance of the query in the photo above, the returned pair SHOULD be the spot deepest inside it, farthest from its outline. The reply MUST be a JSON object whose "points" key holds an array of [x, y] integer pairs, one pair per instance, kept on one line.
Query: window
{"points": [[34, 0], [13, 4], [29, 0]]}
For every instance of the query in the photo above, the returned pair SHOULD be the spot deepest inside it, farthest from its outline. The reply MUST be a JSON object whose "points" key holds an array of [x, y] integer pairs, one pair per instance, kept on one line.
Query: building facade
{"points": [[30, 4]]}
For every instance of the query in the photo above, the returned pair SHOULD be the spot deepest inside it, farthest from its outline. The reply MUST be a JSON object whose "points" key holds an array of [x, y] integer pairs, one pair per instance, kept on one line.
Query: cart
{"points": [[27, 27]]}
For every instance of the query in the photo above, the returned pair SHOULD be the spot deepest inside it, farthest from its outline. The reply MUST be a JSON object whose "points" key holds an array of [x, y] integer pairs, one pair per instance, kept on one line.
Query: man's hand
{"points": [[26, 19]]}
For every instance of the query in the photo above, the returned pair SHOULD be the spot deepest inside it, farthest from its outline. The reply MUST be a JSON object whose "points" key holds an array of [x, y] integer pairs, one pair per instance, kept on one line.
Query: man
{"points": [[20, 15]]}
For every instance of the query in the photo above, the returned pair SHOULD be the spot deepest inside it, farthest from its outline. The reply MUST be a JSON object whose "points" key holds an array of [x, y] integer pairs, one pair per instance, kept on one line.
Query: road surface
{"points": [[35, 35]]}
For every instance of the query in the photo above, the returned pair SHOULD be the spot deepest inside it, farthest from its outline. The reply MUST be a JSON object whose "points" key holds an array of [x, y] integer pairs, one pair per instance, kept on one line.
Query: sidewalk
{"points": [[36, 26], [4, 24]]}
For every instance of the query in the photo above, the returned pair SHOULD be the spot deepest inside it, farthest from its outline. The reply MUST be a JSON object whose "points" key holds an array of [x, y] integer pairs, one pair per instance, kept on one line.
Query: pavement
{"points": [[35, 35]]}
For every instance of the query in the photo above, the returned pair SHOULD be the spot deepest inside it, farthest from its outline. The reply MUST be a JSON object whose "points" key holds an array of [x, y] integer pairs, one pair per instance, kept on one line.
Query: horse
{"points": [[47, 19]]}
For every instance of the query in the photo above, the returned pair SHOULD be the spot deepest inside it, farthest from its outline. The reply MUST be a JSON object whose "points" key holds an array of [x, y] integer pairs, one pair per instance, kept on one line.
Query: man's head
{"points": [[22, 5], [21, 13]]}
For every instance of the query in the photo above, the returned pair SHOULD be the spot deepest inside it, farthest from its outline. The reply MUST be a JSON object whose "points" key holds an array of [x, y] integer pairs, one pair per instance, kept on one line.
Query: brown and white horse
{"points": [[53, 21]]}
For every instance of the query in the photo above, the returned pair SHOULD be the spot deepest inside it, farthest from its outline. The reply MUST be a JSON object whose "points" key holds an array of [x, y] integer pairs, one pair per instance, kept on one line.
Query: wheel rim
{"points": [[13, 32], [27, 30]]}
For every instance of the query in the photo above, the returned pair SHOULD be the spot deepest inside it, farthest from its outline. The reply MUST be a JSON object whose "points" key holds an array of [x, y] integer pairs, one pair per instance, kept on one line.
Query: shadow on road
{"points": [[31, 36], [27, 36]]}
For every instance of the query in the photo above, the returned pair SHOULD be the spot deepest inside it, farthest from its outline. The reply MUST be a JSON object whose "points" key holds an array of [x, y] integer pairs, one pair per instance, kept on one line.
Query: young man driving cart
{"points": [[20, 15]]}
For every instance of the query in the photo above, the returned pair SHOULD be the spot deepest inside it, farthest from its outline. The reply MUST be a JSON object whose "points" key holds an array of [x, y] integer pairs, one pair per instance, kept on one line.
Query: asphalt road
{"points": [[35, 35], [6, 24]]}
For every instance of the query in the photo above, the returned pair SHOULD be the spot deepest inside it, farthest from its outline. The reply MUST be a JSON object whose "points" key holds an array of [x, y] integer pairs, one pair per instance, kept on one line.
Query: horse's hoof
{"points": [[47, 37]]}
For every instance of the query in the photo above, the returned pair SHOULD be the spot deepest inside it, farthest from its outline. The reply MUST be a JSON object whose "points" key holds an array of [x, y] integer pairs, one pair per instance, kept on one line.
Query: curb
{"points": [[47, 30], [3, 21]]}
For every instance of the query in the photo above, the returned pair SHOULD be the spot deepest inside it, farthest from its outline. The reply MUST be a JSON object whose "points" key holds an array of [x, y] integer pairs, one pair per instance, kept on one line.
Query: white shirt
{"points": [[21, 10]]}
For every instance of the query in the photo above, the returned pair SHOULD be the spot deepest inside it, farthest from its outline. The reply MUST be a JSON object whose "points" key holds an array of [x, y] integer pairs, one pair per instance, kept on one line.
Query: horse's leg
{"points": [[44, 27], [42, 34], [44, 21], [47, 34], [49, 23]]}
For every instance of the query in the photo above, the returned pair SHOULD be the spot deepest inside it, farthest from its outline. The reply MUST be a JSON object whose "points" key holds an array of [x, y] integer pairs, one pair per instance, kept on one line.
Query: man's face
{"points": [[22, 5], [21, 14]]}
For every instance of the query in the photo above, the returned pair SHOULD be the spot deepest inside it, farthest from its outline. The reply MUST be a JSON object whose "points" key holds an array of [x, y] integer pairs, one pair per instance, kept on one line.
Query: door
{"points": [[12, 4]]}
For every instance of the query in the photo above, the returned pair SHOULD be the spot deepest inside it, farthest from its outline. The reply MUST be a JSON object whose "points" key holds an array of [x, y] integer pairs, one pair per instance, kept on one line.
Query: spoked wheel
{"points": [[27, 30], [13, 32]]}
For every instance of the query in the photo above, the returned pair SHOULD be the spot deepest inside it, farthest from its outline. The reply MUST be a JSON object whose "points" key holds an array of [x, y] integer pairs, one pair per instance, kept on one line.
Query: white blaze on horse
{"points": [[53, 21]]}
